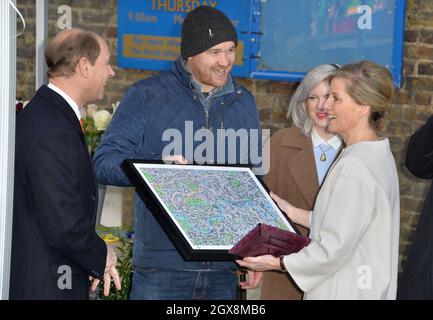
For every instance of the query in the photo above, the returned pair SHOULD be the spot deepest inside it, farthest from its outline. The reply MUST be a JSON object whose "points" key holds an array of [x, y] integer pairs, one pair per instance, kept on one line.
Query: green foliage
{"points": [[124, 267], [92, 136]]}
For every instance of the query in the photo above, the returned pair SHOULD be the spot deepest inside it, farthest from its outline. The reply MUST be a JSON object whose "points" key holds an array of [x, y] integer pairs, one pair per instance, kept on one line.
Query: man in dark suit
{"points": [[416, 280], [55, 248]]}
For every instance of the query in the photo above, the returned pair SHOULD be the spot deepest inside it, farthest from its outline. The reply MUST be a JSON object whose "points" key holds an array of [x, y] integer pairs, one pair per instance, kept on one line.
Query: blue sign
{"points": [[278, 39], [149, 31], [298, 35]]}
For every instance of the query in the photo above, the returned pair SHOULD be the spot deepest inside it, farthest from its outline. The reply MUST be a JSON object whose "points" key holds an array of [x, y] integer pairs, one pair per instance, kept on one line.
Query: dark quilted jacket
{"points": [[148, 108]]}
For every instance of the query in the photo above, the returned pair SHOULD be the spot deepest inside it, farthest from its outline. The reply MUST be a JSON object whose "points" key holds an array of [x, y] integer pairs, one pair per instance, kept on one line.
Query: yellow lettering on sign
{"points": [[180, 5], [161, 48], [195, 4], [151, 47], [187, 5], [172, 5]]}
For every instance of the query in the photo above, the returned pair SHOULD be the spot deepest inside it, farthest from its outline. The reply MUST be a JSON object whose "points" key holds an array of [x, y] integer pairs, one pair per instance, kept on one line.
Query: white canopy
{"points": [[7, 119]]}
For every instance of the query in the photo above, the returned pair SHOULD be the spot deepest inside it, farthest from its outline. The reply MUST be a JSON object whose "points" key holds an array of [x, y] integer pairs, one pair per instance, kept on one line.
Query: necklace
{"points": [[323, 155]]}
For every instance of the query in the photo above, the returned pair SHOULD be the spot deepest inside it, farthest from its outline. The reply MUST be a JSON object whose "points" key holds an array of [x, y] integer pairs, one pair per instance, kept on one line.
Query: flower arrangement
{"points": [[20, 104], [94, 123]]}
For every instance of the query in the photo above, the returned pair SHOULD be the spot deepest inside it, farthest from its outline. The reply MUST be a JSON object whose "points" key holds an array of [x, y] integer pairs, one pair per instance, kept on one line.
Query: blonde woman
{"points": [[300, 156], [354, 226]]}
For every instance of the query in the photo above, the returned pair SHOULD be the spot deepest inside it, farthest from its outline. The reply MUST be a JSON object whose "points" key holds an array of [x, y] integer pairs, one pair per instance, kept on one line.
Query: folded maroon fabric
{"points": [[266, 239]]}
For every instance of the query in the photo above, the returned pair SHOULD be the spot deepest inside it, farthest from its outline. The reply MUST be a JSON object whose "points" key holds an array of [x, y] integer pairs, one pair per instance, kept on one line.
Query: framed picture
{"points": [[205, 209]]}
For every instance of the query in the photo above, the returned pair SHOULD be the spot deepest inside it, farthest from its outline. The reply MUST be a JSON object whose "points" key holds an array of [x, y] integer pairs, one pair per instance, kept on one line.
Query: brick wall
{"points": [[412, 103], [412, 106]]}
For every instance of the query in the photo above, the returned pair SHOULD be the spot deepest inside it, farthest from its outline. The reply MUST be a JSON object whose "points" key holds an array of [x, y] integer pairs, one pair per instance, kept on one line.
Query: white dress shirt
{"points": [[68, 99]]}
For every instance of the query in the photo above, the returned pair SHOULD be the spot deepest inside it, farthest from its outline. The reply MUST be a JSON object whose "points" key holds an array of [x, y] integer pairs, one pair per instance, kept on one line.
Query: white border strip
{"points": [[41, 42], [7, 137]]}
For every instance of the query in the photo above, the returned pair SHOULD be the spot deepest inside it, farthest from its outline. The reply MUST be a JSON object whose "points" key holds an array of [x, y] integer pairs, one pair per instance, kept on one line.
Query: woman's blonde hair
{"points": [[368, 84], [297, 108]]}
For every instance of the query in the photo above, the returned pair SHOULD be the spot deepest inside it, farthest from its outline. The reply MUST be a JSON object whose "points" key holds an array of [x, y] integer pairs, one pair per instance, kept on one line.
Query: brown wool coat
{"points": [[292, 176]]}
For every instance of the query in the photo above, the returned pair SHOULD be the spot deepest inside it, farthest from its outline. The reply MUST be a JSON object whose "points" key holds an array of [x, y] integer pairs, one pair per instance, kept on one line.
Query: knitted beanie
{"points": [[203, 28]]}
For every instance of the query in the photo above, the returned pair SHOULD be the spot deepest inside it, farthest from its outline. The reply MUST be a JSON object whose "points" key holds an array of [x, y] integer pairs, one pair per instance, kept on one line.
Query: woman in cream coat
{"points": [[354, 229], [299, 158]]}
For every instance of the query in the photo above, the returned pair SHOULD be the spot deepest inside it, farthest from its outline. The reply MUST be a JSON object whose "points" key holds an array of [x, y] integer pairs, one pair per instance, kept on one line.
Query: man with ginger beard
{"points": [[198, 92], [55, 248]]}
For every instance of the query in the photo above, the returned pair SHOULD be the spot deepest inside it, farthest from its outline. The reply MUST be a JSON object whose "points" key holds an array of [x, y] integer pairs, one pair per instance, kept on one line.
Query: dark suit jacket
{"points": [[55, 202], [293, 177], [416, 280]]}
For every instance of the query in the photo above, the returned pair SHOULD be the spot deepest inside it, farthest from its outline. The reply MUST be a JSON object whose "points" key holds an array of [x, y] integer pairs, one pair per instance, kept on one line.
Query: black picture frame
{"points": [[164, 218]]}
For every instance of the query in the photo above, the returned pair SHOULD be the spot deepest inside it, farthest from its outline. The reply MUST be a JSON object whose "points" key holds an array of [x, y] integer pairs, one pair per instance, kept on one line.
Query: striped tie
{"points": [[82, 124]]}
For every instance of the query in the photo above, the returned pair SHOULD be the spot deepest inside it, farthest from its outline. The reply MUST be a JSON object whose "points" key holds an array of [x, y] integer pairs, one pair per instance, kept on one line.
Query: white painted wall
{"points": [[41, 42], [7, 137]]}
